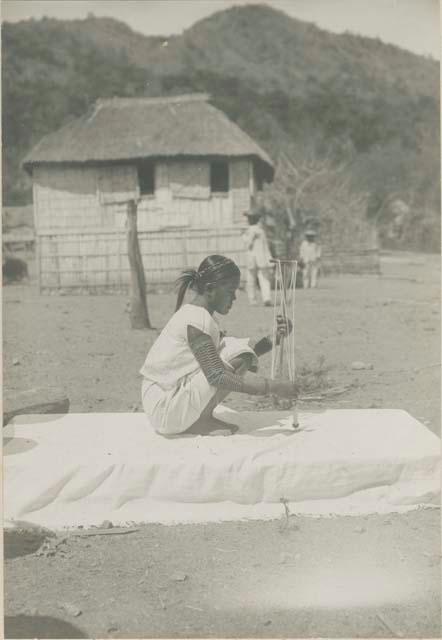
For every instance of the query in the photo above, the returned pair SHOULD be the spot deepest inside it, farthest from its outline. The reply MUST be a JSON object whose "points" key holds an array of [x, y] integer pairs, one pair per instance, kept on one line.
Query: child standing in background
{"points": [[258, 260], [310, 254], [191, 367]]}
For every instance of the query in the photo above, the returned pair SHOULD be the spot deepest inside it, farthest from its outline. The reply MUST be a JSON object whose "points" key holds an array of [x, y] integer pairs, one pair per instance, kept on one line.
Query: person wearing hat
{"points": [[310, 254], [258, 259]]}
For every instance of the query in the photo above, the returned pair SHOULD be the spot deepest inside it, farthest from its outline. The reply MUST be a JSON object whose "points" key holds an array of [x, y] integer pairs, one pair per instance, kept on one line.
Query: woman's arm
{"points": [[217, 375], [284, 327], [263, 346]]}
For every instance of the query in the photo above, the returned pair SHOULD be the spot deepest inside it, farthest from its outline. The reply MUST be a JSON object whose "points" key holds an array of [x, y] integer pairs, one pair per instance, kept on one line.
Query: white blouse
{"points": [[170, 357]]}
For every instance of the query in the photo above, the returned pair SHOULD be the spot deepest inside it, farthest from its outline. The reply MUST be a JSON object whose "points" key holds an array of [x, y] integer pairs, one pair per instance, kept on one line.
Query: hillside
{"points": [[286, 82], [269, 50]]}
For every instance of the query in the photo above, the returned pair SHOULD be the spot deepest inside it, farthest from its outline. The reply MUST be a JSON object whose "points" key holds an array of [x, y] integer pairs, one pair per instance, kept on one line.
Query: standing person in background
{"points": [[258, 260], [310, 254]]}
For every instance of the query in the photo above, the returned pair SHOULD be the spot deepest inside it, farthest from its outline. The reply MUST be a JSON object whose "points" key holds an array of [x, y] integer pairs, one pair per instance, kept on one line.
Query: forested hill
{"points": [[284, 81], [271, 51]]}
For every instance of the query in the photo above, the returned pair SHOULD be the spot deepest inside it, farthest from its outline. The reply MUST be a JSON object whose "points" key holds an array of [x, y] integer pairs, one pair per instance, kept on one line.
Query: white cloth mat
{"points": [[81, 469]]}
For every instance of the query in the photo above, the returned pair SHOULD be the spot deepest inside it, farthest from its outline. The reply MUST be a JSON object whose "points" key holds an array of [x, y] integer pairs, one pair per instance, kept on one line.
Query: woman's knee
{"points": [[164, 422], [169, 429]]}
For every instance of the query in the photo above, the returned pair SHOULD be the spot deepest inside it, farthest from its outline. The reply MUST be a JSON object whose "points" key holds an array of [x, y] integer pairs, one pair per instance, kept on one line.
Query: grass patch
{"points": [[312, 379]]}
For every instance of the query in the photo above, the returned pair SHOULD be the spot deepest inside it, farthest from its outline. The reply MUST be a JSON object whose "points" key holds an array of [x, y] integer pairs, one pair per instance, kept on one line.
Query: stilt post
{"points": [[139, 316]]}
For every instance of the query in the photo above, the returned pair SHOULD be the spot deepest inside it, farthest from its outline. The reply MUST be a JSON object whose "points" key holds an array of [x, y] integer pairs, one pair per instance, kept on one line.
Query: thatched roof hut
{"points": [[127, 129], [191, 170]]}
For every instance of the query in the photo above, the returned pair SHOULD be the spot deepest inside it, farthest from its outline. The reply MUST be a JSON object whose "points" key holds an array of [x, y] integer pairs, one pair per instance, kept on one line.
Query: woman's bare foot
{"points": [[208, 425], [233, 428]]}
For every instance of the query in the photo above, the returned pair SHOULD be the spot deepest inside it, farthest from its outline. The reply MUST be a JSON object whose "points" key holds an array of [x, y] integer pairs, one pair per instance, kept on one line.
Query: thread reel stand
{"points": [[283, 354]]}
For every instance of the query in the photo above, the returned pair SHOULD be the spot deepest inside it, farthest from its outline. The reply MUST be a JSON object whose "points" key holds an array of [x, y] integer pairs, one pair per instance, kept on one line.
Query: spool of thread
{"points": [[295, 423]]}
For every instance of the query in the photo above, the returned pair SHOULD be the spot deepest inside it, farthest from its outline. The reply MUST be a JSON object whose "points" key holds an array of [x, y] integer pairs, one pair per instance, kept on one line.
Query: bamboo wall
{"points": [[67, 197], [96, 260], [90, 197]]}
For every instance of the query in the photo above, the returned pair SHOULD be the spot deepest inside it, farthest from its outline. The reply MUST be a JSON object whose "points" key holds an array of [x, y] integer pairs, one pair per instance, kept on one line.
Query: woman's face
{"points": [[223, 295]]}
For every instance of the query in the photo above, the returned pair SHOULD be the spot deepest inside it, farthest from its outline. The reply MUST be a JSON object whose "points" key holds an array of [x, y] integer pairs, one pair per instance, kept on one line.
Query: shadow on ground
{"points": [[22, 626], [17, 543]]}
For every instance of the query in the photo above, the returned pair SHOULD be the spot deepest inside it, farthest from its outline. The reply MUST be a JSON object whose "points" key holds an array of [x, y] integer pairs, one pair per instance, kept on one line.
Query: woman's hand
{"points": [[284, 388], [284, 327]]}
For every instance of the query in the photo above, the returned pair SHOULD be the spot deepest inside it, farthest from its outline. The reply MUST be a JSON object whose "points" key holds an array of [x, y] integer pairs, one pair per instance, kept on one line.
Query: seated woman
{"points": [[191, 367]]}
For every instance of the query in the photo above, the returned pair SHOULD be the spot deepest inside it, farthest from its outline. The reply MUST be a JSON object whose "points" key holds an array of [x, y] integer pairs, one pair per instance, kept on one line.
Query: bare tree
{"points": [[313, 187]]}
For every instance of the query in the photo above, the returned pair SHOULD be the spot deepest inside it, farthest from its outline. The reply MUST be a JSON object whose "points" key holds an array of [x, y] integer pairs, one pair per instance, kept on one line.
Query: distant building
{"points": [[191, 169], [17, 228]]}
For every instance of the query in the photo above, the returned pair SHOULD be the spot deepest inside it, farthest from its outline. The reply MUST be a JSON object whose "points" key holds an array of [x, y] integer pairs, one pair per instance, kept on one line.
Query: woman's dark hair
{"points": [[211, 270]]}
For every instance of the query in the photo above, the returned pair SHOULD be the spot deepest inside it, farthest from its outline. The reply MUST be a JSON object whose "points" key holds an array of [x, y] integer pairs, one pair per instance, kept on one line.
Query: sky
{"points": [[410, 24]]}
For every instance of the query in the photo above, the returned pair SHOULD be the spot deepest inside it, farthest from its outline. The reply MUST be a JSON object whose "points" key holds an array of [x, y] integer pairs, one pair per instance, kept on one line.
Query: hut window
{"points": [[219, 177], [146, 178]]}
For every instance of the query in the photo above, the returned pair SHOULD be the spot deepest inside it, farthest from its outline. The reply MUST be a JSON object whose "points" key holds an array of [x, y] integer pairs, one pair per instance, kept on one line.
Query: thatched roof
{"points": [[136, 128]]}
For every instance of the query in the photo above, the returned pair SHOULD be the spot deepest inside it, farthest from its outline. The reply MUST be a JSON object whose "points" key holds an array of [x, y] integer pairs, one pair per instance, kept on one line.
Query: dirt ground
{"points": [[377, 576]]}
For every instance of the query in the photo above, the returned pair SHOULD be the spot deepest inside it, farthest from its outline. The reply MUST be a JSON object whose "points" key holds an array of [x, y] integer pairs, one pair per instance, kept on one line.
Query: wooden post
{"points": [[139, 317], [119, 266], [57, 259]]}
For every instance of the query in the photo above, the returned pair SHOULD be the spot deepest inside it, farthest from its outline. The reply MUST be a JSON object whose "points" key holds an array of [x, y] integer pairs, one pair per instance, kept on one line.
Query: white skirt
{"points": [[173, 411]]}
